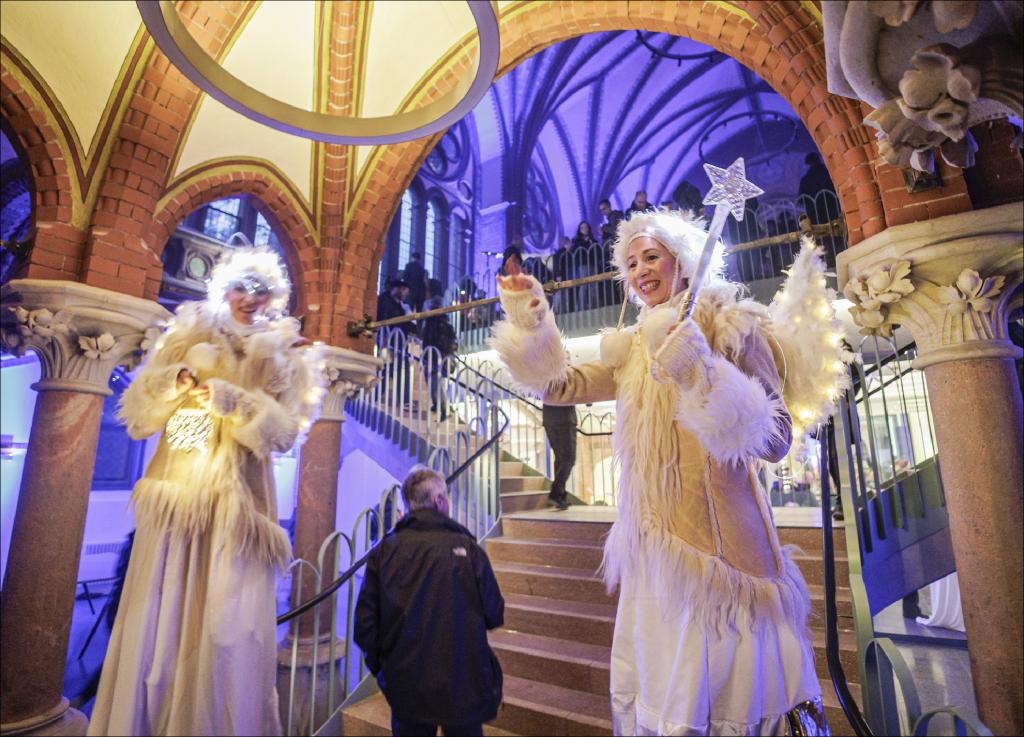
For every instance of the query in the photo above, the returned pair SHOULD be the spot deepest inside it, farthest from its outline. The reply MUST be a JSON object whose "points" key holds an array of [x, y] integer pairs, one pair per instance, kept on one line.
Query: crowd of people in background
{"points": [[587, 252]]}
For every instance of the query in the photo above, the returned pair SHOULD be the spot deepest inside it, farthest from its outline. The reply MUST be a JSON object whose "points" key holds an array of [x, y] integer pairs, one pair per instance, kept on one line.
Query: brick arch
{"points": [[136, 177], [276, 199], [781, 42], [42, 131]]}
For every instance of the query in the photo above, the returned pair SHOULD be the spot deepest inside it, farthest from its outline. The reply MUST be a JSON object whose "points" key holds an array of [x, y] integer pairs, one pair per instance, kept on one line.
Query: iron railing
{"points": [[759, 249], [896, 522]]}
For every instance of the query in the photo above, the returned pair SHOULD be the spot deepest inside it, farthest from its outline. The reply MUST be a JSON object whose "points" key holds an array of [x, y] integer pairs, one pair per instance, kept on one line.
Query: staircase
{"points": [[555, 647]]}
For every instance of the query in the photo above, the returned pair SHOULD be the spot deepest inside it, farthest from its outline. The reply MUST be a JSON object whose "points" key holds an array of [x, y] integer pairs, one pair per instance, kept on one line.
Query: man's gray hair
{"points": [[420, 487]]}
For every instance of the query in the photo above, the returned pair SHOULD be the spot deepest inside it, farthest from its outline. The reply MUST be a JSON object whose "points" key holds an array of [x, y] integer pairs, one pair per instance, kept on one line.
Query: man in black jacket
{"points": [[428, 598]]}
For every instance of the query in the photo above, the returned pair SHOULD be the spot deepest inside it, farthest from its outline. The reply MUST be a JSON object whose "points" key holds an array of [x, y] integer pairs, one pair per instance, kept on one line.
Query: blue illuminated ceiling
{"points": [[603, 116]]}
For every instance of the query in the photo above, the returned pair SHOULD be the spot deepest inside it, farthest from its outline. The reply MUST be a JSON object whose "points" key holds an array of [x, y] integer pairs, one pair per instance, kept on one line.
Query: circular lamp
{"points": [[165, 26]]}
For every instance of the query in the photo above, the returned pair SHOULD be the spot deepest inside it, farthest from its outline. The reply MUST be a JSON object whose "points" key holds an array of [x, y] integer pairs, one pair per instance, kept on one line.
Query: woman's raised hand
{"points": [[515, 282], [185, 381]]}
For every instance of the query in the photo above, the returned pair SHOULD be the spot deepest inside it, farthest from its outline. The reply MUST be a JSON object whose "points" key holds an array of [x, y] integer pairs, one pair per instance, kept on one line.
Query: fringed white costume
{"points": [[193, 649], [711, 632]]}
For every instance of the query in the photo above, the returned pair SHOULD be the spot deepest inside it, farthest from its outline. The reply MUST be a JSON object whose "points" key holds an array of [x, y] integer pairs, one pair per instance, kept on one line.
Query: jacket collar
{"points": [[429, 519]]}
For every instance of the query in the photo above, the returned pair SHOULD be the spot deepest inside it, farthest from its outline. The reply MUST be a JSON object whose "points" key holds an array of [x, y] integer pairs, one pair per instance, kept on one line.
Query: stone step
{"points": [[570, 620], [810, 540], [844, 607], [525, 527], [584, 554], [535, 708], [523, 501], [372, 716], [813, 568], [568, 584], [523, 483], [847, 655], [552, 660], [511, 468], [837, 721]]}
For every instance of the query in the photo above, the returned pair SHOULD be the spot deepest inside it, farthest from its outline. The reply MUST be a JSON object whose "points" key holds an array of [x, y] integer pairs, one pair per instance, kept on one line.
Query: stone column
{"points": [[966, 274], [80, 333], [315, 516]]}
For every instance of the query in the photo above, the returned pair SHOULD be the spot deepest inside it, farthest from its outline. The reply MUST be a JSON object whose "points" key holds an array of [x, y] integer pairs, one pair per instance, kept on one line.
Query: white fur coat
{"points": [[689, 437], [264, 392]]}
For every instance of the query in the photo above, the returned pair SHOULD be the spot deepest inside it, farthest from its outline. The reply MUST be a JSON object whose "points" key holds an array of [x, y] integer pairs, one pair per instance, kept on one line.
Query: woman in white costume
{"points": [[711, 631], [193, 649]]}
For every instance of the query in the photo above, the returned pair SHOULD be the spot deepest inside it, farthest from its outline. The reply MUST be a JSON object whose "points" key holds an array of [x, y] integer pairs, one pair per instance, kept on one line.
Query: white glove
{"points": [[524, 308], [683, 351]]}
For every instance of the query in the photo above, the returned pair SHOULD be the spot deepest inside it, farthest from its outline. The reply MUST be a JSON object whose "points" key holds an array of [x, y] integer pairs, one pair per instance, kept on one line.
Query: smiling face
{"points": [[248, 306], [651, 269]]}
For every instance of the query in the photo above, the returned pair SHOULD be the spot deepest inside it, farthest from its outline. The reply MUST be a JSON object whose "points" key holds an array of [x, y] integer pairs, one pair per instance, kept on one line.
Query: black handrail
{"points": [[835, 666], [344, 577]]}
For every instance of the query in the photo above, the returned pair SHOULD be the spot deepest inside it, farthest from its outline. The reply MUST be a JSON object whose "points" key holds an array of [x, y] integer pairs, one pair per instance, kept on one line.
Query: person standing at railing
{"points": [[609, 227], [416, 277], [193, 648], [586, 254], [565, 301], [439, 334], [560, 427], [429, 596], [711, 630]]}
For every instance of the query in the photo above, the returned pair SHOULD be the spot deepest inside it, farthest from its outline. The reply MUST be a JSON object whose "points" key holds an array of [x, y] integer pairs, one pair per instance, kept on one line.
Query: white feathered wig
{"points": [[682, 234], [260, 264]]}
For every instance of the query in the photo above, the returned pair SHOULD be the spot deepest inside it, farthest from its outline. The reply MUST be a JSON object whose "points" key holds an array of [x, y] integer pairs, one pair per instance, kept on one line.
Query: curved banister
{"points": [[835, 666]]}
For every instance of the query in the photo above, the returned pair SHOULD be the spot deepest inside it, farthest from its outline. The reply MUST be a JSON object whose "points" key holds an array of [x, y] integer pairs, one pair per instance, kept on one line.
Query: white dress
{"points": [[193, 649], [670, 675]]}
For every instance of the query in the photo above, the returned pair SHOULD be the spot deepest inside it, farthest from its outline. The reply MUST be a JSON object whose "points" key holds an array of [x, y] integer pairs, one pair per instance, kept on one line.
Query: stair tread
{"points": [[559, 701], [566, 542], [817, 591], [840, 557], [561, 606], [847, 641], [524, 492], [540, 570], [553, 647], [375, 710]]}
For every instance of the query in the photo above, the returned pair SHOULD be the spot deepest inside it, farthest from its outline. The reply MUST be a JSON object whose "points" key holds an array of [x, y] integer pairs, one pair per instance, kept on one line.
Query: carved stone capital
{"points": [[80, 333], [346, 372], [966, 271], [930, 71]]}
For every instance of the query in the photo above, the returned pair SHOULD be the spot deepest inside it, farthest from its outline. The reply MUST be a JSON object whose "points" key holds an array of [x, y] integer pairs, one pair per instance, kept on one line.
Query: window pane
{"points": [[405, 231], [262, 236], [456, 248], [430, 239]]}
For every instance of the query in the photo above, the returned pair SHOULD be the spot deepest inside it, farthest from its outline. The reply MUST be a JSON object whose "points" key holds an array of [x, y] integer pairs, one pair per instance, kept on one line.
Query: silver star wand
{"points": [[729, 192]]}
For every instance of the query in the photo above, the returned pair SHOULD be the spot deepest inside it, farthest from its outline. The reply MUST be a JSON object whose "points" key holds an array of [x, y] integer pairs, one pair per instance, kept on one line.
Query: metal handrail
{"points": [[343, 578], [835, 666]]}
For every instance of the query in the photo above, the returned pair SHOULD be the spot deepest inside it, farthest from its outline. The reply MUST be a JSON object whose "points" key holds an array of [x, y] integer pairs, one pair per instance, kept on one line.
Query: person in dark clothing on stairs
{"points": [[560, 426], [428, 598]]}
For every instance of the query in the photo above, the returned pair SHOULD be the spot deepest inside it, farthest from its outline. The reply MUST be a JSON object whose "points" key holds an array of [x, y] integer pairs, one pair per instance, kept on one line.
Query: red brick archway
{"points": [[276, 200], [780, 41], [42, 132]]}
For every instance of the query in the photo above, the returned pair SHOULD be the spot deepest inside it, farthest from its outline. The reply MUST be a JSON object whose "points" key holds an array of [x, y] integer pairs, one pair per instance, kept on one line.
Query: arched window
{"points": [[456, 248], [15, 208], [430, 232], [405, 230]]}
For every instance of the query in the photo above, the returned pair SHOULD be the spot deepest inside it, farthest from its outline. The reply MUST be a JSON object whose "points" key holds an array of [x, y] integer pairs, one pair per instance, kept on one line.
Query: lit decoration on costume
{"points": [[190, 428], [806, 328]]}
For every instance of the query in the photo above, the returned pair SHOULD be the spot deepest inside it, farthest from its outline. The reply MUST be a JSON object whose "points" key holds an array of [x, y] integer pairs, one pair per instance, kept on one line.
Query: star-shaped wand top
{"points": [[730, 187]]}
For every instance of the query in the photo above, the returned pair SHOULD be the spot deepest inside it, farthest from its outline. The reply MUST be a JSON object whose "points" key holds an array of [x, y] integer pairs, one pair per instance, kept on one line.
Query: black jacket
{"points": [[428, 598]]}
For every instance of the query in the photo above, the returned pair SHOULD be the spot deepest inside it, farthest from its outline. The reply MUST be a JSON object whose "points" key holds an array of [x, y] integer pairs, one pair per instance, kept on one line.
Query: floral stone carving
{"points": [[874, 292]]}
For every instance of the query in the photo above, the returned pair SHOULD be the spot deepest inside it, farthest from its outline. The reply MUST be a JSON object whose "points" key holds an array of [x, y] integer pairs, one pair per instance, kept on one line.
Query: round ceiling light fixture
{"points": [[165, 26]]}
